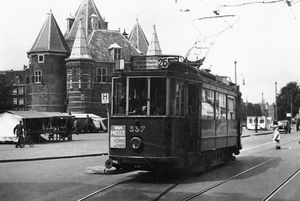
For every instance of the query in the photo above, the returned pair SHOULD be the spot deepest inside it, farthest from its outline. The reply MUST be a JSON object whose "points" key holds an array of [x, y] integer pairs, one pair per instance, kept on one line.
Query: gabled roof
{"points": [[86, 9], [138, 39], [50, 38], [100, 41], [80, 49], [154, 47]]}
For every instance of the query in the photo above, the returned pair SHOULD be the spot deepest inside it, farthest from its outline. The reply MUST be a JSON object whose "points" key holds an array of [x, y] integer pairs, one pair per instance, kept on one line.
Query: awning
{"points": [[35, 114]]}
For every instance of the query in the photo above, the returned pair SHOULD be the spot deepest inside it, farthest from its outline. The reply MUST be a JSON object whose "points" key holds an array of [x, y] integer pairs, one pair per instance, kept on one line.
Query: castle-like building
{"points": [[69, 72]]}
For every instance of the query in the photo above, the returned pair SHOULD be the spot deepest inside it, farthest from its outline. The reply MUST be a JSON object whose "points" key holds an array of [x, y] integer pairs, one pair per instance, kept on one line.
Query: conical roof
{"points": [[86, 9], [138, 39], [154, 47], [80, 49], [50, 38]]}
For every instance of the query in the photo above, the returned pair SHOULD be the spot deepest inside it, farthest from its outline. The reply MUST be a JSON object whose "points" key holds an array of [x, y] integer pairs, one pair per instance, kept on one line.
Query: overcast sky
{"points": [[264, 38]]}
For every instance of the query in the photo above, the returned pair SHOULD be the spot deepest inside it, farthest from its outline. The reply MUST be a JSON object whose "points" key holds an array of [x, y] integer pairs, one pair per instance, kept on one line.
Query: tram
{"points": [[166, 113]]}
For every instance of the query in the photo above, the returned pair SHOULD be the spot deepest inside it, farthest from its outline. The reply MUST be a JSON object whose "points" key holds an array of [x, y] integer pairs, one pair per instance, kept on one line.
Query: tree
{"points": [[6, 101], [253, 110], [288, 101]]}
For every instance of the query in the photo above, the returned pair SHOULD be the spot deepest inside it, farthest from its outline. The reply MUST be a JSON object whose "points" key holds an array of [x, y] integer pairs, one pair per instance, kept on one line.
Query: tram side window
{"points": [[158, 96], [138, 96], [231, 108], [179, 99], [208, 102], [221, 104], [119, 96]]}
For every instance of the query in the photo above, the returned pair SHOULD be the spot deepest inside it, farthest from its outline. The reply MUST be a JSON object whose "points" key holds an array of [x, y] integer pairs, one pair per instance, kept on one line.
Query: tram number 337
{"points": [[136, 129]]}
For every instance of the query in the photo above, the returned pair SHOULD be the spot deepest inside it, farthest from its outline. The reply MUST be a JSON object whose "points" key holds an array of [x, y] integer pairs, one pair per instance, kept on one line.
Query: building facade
{"points": [[69, 72]]}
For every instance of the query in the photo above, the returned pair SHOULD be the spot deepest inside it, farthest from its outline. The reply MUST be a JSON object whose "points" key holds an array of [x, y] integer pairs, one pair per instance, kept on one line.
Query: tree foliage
{"points": [[288, 98], [6, 101]]}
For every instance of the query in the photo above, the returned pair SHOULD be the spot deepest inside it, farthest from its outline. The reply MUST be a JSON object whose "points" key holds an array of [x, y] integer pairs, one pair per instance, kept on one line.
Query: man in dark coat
{"points": [[18, 130]]}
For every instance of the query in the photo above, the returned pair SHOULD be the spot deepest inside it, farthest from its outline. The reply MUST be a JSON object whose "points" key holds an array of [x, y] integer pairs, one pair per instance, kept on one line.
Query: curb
{"points": [[51, 158]]}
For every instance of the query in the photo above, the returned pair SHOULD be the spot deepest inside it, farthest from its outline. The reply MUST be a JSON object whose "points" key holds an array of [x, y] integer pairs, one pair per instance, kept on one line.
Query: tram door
{"points": [[192, 118]]}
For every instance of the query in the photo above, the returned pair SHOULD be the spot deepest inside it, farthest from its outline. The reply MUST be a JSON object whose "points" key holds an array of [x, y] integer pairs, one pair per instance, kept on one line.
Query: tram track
{"points": [[164, 190], [282, 184], [225, 181], [105, 189], [209, 188]]}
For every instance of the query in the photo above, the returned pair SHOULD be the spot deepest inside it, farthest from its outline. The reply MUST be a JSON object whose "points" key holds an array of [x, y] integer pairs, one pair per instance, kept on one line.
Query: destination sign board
{"points": [[152, 62]]}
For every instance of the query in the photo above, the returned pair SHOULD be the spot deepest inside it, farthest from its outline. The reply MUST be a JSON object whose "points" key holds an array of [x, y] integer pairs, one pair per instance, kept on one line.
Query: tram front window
{"points": [[138, 96], [146, 96]]}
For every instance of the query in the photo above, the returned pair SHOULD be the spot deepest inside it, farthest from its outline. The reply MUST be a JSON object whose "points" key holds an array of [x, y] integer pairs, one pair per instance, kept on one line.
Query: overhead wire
{"points": [[237, 5], [213, 36], [257, 2]]}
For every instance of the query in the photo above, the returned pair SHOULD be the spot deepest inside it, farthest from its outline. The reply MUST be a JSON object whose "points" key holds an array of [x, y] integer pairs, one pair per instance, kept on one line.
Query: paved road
{"points": [[81, 145]]}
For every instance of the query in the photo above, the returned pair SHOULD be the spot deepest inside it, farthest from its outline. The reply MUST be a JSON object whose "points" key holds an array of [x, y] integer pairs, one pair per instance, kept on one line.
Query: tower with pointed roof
{"points": [[47, 72], [85, 14], [68, 73], [154, 47], [138, 39], [80, 74]]}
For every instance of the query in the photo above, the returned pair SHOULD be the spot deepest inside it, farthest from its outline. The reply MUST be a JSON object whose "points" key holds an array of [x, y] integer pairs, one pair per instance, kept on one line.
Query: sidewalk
{"points": [[81, 145], [248, 133]]}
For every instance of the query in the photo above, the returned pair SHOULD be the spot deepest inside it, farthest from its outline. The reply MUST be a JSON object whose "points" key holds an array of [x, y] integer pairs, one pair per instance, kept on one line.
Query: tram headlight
{"points": [[136, 143]]}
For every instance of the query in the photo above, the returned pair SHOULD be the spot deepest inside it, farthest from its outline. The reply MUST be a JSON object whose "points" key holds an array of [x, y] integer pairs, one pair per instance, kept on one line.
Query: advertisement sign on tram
{"points": [[117, 136]]}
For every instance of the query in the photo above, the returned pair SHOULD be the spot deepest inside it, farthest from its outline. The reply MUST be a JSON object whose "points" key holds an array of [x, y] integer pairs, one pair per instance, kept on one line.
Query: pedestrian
{"points": [[18, 130], [75, 125], [276, 137], [256, 122]]}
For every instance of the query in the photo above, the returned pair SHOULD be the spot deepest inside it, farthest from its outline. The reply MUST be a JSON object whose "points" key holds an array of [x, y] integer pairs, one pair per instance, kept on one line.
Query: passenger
{"points": [[276, 137], [18, 130]]}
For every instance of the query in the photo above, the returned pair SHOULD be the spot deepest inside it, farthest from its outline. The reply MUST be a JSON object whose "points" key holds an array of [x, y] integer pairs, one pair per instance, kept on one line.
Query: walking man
{"points": [[18, 130]]}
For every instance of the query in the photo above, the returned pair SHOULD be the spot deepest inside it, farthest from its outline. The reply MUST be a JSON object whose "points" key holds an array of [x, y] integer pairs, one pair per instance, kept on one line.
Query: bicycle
{"points": [[26, 139]]}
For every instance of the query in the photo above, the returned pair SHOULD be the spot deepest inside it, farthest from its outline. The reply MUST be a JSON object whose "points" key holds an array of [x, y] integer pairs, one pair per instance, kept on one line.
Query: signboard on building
{"points": [[105, 98]]}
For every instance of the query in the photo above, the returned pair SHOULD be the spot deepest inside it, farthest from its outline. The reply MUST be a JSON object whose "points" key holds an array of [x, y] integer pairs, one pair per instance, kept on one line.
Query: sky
{"points": [[262, 38]]}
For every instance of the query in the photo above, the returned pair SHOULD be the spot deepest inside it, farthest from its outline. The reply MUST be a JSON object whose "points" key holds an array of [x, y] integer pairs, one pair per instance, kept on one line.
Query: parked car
{"points": [[284, 126]]}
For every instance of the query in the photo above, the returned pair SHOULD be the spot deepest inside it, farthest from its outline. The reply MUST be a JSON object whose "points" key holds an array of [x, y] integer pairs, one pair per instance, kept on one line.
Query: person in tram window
{"points": [[276, 137], [18, 130]]}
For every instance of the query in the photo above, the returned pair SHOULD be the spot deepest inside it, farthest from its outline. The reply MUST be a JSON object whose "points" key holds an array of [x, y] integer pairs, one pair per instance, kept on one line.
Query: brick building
{"points": [[68, 72]]}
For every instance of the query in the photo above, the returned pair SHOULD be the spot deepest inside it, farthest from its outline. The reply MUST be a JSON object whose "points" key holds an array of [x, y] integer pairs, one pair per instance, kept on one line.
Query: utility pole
{"points": [[235, 71], [276, 111]]}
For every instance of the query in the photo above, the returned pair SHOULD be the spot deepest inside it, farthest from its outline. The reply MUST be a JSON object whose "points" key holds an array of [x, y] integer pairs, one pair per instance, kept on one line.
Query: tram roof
{"points": [[175, 63]]}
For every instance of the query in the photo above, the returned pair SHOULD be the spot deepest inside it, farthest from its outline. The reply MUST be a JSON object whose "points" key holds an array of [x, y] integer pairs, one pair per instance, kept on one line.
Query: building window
{"points": [[14, 91], [102, 75], [15, 100], [21, 90], [37, 76], [41, 58], [21, 101], [117, 54], [17, 79], [115, 51]]}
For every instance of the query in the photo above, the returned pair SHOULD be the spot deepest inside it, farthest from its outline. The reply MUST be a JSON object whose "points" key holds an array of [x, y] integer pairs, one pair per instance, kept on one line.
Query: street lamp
{"points": [[235, 74]]}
